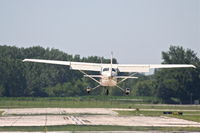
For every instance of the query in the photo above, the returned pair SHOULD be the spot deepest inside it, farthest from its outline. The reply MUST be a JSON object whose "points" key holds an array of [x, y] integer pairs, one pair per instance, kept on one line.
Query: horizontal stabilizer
{"points": [[126, 77], [94, 76]]}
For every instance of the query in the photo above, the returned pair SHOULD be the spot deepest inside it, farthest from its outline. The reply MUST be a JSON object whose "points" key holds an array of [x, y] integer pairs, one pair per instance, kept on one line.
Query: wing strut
{"points": [[90, 76], [120, 87], [126, 78], [95, 87]]}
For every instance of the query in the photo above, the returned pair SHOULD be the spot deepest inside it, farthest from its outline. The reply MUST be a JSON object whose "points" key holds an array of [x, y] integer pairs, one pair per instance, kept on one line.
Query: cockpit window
{"points": [[106, 69]]}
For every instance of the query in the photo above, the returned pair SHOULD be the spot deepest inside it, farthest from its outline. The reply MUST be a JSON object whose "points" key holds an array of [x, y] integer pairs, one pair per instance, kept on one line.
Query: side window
{"points": [[105, 69]]}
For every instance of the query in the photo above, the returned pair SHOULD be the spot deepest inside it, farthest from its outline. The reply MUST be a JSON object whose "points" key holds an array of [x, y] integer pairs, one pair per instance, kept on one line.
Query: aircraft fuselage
{"points": [[108, 77]]}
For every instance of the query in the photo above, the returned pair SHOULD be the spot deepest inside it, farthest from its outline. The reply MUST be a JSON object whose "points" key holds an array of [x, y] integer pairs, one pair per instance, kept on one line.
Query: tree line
{"points": [[180, 85], [34, 79], [19, 79]]}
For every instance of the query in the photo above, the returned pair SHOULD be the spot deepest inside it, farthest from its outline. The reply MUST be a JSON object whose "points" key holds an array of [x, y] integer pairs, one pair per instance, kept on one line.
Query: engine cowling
{"points": [[127, 91]]}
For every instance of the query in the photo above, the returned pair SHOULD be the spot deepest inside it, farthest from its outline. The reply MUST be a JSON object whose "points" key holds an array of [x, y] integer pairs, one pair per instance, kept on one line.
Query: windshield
{"points": [[107, 69]]}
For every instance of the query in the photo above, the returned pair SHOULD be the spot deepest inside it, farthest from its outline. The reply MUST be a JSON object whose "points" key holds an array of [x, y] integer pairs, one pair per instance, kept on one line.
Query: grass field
{"points": [[97, 128], [88, 102], [187, 115], [73, 102], [1, 113]]}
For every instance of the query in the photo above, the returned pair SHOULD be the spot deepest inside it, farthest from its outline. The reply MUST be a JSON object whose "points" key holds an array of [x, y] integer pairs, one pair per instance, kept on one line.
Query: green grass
{"points": [[1, 113], [97, 128], [195, 118], [139, 113], [72, 102], [87, 102], [187, 115]]}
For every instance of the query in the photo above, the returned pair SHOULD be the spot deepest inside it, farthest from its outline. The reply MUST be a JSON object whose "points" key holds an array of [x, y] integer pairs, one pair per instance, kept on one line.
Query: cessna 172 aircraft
{"points": [[109, 72]]}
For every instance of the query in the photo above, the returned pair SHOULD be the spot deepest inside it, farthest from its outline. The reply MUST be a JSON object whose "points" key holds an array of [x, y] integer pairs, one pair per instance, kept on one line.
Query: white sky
{"points": [[135, 30]]}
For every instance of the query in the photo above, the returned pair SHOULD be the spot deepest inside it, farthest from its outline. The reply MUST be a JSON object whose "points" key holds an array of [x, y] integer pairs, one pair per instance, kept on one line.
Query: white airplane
{"points": [[109, 72]]}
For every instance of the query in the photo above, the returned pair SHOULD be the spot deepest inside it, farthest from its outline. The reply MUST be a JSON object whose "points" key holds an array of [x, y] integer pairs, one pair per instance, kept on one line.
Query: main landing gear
{"points": [[88, 89], [126, 91]]}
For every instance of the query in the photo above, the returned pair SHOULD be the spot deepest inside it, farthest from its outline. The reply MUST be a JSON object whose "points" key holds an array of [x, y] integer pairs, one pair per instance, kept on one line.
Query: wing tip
{"points": [[194, 66], [24, 60]]}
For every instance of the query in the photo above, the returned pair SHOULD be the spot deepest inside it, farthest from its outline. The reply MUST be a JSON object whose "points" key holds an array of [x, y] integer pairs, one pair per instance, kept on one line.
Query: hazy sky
{"points": [[135, 30]]}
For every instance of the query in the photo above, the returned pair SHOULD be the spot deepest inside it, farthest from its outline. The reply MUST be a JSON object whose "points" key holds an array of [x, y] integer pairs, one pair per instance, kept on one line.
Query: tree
{"points": [[144, 88], [32, 79], [178, 83]]}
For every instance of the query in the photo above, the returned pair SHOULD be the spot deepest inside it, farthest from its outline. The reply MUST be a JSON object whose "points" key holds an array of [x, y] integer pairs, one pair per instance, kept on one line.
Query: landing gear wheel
{"points": [[88, 89]]}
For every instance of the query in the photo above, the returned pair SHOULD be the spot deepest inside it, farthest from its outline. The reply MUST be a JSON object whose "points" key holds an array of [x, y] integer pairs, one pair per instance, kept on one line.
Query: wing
{"points": [[98, 66], [146, 68], [73, 65]]}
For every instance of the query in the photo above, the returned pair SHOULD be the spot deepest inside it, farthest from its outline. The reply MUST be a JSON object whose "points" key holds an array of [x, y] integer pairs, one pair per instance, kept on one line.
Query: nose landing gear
{"points": [[107, 92]]}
